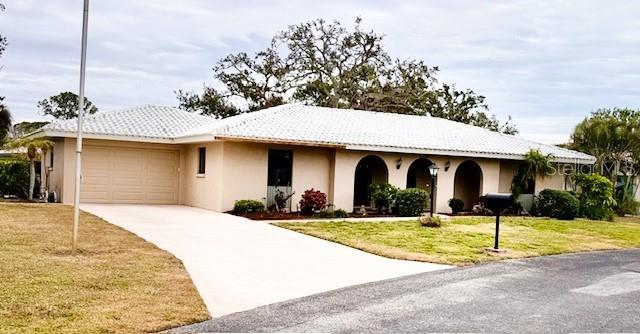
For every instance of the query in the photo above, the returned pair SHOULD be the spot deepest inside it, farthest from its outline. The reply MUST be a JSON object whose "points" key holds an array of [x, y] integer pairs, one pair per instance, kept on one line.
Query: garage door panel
{"points": [[95, 196], [130, 175], [127, 181], [164, 184], [137, 196], [161, 196], [95, 179]]}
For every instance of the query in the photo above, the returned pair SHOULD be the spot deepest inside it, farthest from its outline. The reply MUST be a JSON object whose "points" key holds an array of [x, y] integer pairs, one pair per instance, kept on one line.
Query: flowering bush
{"points": [[312, 201]]}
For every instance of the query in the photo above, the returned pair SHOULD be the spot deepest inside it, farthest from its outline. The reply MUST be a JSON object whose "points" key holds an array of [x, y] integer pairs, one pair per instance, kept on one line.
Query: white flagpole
{"points": [[83, 65]]}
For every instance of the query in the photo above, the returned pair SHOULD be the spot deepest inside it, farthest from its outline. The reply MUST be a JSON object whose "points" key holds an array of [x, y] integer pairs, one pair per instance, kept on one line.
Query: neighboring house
{"points": [[162, 155]]}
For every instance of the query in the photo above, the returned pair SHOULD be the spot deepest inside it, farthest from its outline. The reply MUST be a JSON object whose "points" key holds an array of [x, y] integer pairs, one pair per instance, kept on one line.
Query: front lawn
{"points": [[118, 283], [463, 240]]}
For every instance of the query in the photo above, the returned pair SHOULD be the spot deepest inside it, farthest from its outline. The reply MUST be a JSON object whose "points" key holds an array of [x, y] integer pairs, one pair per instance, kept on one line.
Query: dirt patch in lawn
{"points": [[117, 283]]}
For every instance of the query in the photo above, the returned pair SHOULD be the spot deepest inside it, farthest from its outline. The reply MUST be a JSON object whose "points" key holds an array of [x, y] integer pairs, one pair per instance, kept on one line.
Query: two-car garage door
{"points": [[129, 175]]}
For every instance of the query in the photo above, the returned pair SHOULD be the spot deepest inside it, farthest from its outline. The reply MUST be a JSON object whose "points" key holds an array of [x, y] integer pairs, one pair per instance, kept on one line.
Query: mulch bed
{"points": [[296, 215]]}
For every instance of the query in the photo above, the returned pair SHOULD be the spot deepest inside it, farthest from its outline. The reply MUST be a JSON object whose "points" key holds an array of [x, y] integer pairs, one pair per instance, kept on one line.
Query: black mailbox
{"points": [[498, 201]]}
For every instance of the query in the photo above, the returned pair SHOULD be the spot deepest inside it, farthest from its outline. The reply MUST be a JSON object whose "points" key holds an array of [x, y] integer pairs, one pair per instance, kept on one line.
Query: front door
{"points": [[279, 177]]}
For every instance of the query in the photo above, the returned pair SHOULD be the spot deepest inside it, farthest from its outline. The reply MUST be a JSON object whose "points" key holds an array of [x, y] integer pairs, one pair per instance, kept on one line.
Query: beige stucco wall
{"points": [[244, 171], [556, 181], [203, 191], [55, 177], [508, 169], [238, 170]]}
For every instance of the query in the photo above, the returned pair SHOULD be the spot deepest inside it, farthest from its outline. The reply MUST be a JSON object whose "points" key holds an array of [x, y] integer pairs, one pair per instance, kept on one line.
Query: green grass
{"points": [[117, 283], [463, 240]]}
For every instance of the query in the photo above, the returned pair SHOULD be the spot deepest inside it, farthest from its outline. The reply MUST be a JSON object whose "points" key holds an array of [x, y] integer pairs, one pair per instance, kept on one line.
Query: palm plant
{"points": [[534, 164], [612, 136], [33, 147]]}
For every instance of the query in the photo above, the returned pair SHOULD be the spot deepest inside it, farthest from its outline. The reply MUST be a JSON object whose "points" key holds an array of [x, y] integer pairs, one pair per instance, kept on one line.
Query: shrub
{"points": [[627, 206], [382, 195], [557, 204], [247, 205], [456, 205], [14, 177], [411, 202], [340, 214], [596, 196], [333, 214], [428, 221], [312, 201]]}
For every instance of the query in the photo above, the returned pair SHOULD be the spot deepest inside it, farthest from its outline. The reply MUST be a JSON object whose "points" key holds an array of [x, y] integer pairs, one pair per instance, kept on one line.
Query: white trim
{"points": [[211, 138], [458, 153], [180, 140]]}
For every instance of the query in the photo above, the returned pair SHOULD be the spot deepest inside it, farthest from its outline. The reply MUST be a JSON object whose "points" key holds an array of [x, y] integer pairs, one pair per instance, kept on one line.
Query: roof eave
{"points": [[487, 155], [67, 134], [279, 141]]}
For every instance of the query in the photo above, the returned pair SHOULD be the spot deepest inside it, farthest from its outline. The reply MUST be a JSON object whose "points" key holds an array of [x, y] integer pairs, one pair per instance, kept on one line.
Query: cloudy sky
{"points": [[545, 63]]}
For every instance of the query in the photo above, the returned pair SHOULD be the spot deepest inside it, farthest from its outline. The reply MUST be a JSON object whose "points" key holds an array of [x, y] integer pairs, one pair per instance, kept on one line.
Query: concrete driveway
{"points": [[238, 264]]}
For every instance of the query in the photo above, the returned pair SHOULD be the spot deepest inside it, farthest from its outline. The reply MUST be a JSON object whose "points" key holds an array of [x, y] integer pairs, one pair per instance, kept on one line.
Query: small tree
{"points": [[34, 147], [64, 106], [534, 164]]}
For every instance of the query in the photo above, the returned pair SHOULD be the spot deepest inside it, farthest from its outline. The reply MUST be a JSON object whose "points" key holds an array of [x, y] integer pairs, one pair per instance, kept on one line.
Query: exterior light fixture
{"points": [[398, 163], [433, 171]]}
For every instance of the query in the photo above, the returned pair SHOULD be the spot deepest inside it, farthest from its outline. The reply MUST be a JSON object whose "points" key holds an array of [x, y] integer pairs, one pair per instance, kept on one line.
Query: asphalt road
{"points": [[588, 292]]}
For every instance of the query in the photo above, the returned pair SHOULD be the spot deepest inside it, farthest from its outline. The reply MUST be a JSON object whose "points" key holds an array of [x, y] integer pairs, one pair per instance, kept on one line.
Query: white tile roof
{"points": [[298, 123], [139, 122], [359, 129]]}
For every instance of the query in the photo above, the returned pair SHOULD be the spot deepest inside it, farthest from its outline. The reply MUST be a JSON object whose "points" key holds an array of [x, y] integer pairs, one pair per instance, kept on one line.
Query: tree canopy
{"points": [[64, 106], [326, 64], [612, 136]]}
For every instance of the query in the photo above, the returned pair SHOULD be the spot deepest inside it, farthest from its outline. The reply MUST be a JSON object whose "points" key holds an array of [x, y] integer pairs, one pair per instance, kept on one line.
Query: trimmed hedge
{"points": [[247, 205], [14, 177], [411, 202], [558, 204], [456, 205]]}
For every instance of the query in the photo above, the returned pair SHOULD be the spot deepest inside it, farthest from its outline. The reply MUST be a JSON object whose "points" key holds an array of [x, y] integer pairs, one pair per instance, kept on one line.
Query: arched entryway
{"points": [[418, 175], [468, 183], [371, 169]]}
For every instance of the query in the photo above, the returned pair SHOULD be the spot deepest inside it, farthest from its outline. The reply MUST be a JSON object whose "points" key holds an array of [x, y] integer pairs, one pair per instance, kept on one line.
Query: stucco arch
{"points": [[418, 175], [369, 170], [468, 183]]}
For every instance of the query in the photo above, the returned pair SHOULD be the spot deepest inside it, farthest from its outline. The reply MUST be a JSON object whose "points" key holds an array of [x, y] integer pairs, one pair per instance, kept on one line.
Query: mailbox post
{"points": [[497, 202]]}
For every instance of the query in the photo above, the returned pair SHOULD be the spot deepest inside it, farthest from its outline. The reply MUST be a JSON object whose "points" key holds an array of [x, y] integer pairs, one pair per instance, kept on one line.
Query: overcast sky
{"points": [[548, 64]]}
